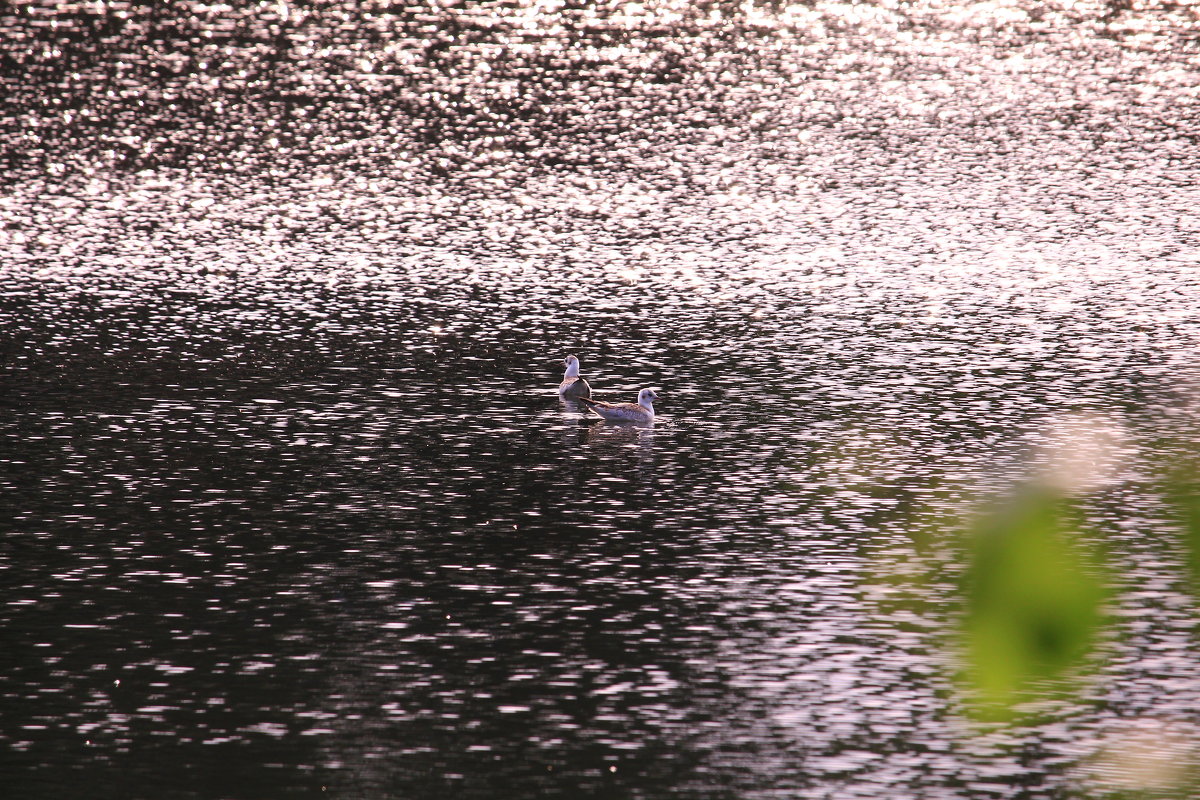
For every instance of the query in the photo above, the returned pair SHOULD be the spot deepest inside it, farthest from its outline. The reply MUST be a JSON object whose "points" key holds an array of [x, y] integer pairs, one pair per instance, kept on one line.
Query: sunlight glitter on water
{"points": [[285, 310]]}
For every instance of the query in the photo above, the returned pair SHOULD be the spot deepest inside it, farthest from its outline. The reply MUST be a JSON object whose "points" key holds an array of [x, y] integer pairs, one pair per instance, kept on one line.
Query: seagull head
{"points": [[646, 397], [572, 365]]}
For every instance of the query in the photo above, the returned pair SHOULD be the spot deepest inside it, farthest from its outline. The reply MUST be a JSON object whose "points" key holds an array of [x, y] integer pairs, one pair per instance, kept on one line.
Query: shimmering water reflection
{"points": [[294, 509]]}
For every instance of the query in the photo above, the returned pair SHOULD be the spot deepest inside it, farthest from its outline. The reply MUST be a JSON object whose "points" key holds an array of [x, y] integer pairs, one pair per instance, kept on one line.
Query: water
{"points": [[293, 509]]}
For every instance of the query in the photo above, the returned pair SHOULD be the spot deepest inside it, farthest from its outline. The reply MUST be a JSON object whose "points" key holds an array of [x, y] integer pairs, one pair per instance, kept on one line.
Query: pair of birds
{"points": [[574, 387]]}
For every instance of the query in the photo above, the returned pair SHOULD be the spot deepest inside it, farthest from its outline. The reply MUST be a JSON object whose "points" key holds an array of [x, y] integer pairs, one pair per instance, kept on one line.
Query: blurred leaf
{"points": [[1033, 604]]}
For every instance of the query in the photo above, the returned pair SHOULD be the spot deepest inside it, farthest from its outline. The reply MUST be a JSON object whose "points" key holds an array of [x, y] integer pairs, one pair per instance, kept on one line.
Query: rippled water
{"points": [[284, 293]]}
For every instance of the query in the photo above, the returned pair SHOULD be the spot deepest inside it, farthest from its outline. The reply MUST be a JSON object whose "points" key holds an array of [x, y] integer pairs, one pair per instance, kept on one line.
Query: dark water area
{"points": [[291, 507]]}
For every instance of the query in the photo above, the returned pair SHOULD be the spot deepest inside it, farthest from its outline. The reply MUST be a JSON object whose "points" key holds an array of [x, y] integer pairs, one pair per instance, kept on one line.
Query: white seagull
{"points": [[573, 387], [641, 411]]}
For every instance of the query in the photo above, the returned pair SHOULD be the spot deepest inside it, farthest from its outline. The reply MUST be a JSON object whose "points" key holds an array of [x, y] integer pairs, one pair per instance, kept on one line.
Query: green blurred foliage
{"points": [[1026, 591], [1034, 600]]}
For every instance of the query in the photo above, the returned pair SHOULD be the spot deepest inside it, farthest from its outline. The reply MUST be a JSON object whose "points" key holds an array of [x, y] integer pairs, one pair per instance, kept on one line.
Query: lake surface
{"points": [[293, 509]]}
